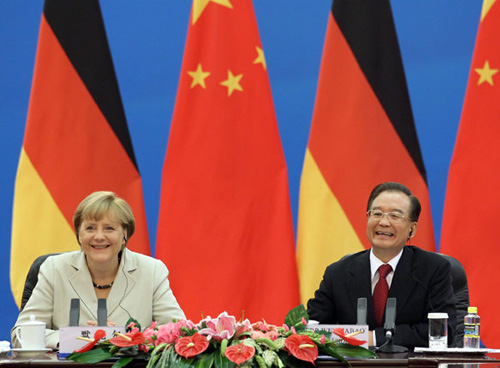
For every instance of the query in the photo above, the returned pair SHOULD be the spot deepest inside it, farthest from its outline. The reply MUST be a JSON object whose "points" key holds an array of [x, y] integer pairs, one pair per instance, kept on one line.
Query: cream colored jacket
{"points": [[141, 290]]}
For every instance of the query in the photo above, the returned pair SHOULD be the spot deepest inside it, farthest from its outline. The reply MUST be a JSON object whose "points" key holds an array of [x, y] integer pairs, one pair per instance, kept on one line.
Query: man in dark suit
{"points": [[419, 280]]}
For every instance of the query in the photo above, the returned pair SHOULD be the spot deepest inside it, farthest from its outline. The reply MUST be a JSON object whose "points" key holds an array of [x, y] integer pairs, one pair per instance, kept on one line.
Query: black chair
{"points": [[461, 291], [32, 278]]}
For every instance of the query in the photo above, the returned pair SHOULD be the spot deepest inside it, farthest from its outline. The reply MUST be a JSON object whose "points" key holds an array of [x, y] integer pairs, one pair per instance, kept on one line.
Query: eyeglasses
{"points": [[391, 216]]}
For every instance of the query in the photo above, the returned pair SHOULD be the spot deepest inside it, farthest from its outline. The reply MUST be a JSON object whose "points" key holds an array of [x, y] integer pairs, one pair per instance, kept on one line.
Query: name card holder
{"points": [[69, 336], [360, 332]]}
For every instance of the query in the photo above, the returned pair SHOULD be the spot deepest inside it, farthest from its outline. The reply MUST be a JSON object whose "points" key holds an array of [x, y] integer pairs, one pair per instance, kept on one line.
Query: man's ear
{"points": [[413, 230]]}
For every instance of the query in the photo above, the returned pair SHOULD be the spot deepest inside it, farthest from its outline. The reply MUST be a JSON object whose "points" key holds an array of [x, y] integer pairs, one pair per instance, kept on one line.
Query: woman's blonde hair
{"points": [[98, 204]]}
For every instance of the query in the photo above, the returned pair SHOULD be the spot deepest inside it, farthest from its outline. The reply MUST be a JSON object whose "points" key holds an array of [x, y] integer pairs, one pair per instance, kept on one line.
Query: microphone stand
{"points": [[389, 328], [388, 347]]}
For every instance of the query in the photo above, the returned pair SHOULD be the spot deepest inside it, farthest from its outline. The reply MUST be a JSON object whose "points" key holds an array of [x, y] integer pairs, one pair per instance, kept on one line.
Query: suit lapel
{"points": [[124, 281], [79, 280], [403, 281], [359, 282]]}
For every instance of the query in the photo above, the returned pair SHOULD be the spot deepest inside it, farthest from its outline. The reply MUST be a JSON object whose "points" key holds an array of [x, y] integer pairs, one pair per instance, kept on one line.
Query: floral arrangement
{"points": [[222, 342]]}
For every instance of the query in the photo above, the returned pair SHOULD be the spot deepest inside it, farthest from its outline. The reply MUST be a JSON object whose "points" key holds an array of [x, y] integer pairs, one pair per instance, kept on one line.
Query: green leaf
{"points": [[260, 361], [295, 315], [267, 342], [328, 334], [291, 362], [223, 346], [166, 358], [220, 361], [122, 362], [181, 362], [332, 351], [349, 351], [91, 356], [130, 320], [204, 360], [343, 351], [152, 361]]}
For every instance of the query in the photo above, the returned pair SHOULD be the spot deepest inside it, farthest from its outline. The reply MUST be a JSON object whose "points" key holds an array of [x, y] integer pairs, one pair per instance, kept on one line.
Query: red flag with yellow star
{"points": [[469, 230], [225, 228]]}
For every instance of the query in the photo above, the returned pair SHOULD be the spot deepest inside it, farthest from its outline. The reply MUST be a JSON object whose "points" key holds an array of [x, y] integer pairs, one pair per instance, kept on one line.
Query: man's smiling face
{"points": [[389, 235]]}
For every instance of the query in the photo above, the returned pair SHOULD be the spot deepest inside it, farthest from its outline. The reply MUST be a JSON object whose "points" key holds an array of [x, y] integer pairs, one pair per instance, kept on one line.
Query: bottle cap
{"points": [[472, 310], [433, 315]]}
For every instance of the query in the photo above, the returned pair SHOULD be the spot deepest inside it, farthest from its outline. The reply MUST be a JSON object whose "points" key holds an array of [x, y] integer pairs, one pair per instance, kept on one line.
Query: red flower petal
{"points": [[350, 340], [129, 339], [302, 347], [191, 346], [99, 334], [239, 353]]}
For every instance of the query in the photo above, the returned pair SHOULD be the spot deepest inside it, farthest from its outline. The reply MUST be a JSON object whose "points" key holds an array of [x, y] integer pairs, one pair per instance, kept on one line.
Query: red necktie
{"points": [[380, 293]]}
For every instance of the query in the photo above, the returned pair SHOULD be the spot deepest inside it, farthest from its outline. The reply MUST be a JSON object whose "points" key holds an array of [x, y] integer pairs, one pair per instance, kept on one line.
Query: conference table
{"points": [[403, 360]]}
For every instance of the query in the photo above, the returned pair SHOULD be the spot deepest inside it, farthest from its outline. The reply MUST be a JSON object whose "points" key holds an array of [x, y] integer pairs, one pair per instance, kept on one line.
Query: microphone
{"points": [[362, 308], [390, 328], [74, 312], [102, 312], [390, 317]]}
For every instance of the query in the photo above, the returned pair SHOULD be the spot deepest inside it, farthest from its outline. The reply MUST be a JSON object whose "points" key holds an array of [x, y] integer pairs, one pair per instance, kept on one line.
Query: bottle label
{"points": [[471, 330]]}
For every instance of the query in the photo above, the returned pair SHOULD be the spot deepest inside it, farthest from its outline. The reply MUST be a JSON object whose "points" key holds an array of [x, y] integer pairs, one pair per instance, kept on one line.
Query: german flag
{"points": [[225, 226], [469, 230], [76, 139], [362, 134]]}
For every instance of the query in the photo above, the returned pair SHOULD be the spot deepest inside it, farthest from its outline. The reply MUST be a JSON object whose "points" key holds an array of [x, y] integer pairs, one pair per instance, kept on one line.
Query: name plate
{"points": [[360, 332], [69, 336]]}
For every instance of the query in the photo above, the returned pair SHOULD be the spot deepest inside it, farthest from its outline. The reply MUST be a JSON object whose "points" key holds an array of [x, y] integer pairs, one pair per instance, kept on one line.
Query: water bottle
{"points": [[471, 329]]}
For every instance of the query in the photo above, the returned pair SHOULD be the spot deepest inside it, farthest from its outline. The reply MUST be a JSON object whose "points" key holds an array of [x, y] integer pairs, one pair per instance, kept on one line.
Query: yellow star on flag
{"points": [[260, 57], [198, 76], [232, 82], [200, 5], [486, 73]]}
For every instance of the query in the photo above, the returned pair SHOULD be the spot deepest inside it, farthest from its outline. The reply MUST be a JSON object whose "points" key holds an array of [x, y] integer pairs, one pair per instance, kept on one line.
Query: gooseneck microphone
{"points": [[74, 312], [102, 313], [390, 329], [361, 311], [390, 317]]}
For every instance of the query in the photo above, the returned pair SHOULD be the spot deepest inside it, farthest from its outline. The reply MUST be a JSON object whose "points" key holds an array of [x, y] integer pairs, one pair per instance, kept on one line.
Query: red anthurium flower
{"points": [[347, 338], [129, 339], [190, 346], [99, 334], [302, 347], [239, 353], [322, 339]]}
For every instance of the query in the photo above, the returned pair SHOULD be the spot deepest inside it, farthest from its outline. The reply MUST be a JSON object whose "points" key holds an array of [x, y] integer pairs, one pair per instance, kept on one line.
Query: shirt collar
{"points": [[375, 263]]}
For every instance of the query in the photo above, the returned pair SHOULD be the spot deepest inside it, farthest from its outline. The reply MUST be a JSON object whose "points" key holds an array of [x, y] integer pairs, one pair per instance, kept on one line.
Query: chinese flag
{"points": [[362, 134], [76, 139], [470, 217], [225, 228]]}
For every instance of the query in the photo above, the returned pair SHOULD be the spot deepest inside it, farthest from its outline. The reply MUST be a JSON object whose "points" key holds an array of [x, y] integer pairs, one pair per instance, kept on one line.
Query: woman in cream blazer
{"points": [[134, 285]]}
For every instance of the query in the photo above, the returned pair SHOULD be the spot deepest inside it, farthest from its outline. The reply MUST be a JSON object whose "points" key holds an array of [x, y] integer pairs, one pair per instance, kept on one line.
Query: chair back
{"points": [[32, 278], [461, 291]]}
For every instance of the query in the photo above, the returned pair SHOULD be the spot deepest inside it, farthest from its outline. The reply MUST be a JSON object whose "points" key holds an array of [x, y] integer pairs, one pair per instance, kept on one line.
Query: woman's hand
{"points": [[94, 323]]}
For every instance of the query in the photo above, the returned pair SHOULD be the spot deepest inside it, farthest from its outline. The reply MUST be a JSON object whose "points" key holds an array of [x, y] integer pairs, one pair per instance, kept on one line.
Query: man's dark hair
{"points": [[390, 186]]}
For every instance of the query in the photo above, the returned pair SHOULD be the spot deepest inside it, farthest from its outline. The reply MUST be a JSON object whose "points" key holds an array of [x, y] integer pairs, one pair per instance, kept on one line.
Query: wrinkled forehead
{"points": [[392, 200]]}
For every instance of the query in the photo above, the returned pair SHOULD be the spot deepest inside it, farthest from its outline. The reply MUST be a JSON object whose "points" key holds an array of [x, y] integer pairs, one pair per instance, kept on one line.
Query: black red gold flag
{"points": [[76, 138], [362, 134]]}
